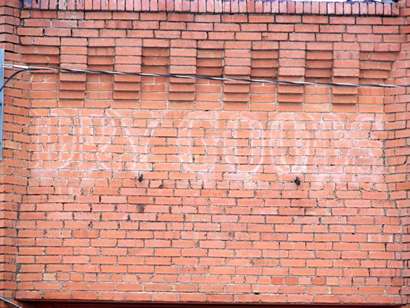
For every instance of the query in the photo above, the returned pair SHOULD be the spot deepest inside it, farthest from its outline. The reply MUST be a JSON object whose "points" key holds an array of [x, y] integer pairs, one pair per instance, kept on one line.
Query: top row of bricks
{"points": [[221, 6]]}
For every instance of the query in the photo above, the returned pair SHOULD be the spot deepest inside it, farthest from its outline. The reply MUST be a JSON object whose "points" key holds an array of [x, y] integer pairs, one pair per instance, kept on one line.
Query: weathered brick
{"points": [[105, 177]]}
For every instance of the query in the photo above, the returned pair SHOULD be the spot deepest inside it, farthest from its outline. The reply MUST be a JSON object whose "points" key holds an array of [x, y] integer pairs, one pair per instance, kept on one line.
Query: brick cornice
{"points": [[218, 6]]}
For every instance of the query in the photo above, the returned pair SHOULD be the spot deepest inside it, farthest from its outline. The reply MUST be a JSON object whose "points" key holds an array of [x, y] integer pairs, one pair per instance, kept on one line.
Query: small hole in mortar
{"points": [[297, 181]]}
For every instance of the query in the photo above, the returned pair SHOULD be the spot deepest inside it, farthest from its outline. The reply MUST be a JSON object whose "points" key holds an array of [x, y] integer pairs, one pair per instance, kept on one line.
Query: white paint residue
{"points": [[214, 146]]}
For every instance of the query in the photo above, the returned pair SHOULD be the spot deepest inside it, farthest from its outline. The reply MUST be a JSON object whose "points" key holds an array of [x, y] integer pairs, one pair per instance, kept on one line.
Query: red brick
{"points": [[172, 179]]}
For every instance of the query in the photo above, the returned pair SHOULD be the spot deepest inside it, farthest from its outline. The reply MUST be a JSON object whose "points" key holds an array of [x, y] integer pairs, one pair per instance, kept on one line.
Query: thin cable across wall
{"points": [[59, 69]]}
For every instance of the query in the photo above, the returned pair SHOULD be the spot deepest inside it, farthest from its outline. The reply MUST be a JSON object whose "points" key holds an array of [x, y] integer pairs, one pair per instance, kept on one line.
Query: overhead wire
{"points": [[61, 69], [11, 77], [9, 302]]}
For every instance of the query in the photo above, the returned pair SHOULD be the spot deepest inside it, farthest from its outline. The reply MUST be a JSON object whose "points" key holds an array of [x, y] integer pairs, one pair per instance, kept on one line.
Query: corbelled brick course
{"points": [[127, 188]]}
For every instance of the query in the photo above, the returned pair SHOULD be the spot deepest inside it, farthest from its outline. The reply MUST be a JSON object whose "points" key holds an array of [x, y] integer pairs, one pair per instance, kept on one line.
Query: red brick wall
{"points": [[397, 148], [155, 189], [14, 165]]}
